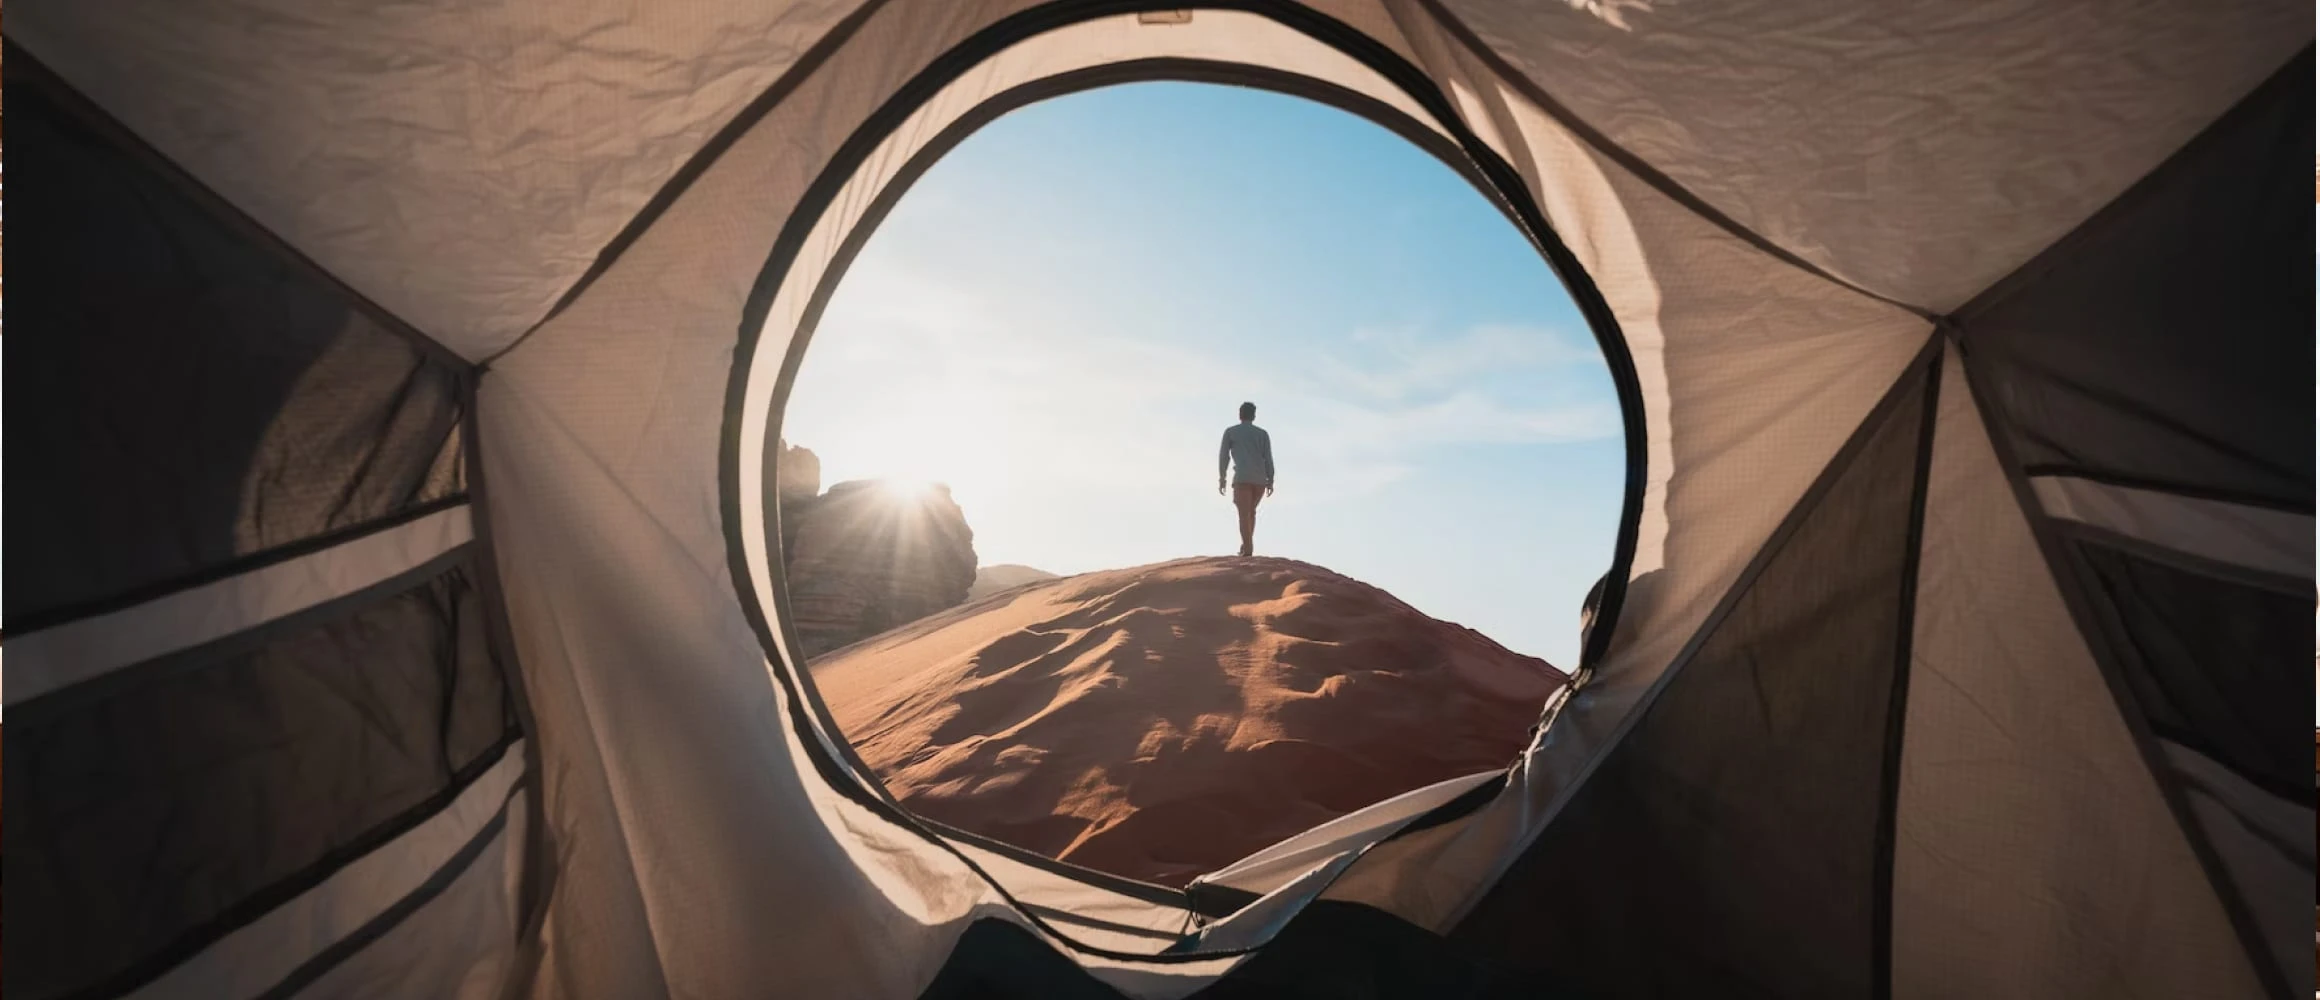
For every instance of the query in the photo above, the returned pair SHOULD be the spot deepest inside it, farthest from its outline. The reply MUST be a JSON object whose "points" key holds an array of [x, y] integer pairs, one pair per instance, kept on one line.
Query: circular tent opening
{"points": [[1007, 67], [1016, 391]]}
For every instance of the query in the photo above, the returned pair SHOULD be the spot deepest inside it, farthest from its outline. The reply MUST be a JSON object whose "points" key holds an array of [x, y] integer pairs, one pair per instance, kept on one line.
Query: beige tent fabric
{"points": [[1921, 150], [2269, 541], [470, 936], [460, 945], [2034, 856], [2264, 845], [1754, 373], [676, 784], [464, 171], [461, 165], [78, 652]]}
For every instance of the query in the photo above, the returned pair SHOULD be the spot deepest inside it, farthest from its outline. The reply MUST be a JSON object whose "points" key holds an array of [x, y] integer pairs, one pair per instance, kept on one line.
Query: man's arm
{"points": [[1265, 444], [1223, 457]]}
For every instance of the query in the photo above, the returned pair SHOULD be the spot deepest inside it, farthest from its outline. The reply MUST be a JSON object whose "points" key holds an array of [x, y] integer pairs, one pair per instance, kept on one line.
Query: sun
{"points": [[906, 489]]}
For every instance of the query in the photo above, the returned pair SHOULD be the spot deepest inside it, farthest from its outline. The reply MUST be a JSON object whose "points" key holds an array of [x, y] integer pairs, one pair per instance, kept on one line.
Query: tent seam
{"points": [[2265, 966], [1897, 711], [536, 878]]}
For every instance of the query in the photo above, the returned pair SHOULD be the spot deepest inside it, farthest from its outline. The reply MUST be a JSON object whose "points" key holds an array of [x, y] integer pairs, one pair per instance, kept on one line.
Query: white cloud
{"points": [[1415, 363], [915, 375]]}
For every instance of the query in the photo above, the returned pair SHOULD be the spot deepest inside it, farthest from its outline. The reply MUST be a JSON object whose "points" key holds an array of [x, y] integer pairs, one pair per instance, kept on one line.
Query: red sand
{"points": [[1164, 721]]}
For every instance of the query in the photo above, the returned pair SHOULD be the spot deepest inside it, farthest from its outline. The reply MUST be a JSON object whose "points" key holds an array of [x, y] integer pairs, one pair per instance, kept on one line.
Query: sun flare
{"points": [[906, 489]]}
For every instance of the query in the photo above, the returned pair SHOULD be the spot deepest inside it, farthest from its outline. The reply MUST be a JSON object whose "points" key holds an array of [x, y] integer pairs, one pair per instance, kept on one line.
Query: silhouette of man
{"points": [[1250, 451]]}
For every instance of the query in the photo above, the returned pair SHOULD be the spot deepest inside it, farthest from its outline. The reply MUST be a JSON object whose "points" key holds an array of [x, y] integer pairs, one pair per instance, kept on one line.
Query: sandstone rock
{"points": [[867, 557], [799, 471]]}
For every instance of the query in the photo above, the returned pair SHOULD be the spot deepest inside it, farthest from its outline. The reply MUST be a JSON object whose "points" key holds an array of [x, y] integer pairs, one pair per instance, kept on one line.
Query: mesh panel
{"points": [[2207, 660], [2164, 343], [1730, 845], [199, 399], [152, 811]]}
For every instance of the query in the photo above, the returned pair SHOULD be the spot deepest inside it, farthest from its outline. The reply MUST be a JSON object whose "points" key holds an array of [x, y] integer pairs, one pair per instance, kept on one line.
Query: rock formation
{"points": [[869, 556], [800, 472], [1004, 576]]}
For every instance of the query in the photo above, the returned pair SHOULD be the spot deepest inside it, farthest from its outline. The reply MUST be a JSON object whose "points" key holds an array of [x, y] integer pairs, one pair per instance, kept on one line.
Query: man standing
{"points": [[1250, 451]]}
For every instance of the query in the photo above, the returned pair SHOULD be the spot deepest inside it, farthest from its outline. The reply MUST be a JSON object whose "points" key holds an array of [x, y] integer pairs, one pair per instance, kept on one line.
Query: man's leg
{"points": [[1246, 499]]}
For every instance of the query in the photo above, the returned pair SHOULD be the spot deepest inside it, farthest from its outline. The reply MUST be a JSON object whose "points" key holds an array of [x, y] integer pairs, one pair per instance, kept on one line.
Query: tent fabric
{"points": [[1270, 868], [1757, 779], [2261, 846], [2268, 542], [459, 942], [2033, 855], [1920, 152], [461, 168], [2106, 411], [80, 651], [2201, 655], [2084, 353], [575, 254], [459, 853], [1752, 372], [236, 409], [156, 811]]}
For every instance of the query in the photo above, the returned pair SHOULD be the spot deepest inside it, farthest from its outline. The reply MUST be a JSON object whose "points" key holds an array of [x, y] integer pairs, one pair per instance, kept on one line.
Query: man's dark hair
{"points": [[1248, 411]]}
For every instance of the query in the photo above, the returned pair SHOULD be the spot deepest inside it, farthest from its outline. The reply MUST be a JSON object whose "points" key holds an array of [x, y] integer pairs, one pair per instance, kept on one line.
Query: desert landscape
{"points": [[1162, 721]]}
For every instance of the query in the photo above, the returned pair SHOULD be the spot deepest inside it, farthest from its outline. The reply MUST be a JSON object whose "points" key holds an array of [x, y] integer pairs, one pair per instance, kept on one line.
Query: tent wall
{"points": [[218, 407], [1735, 841], [258, 710], [2034, 855], [2145, 382], [631, 213], [1753, 374]]}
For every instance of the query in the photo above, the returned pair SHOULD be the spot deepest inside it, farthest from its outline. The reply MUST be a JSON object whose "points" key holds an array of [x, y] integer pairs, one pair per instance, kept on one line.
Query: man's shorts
{"points": [[1247, 494]]}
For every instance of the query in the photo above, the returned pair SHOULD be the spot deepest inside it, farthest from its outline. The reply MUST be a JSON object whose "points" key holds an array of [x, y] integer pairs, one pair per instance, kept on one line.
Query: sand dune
{"points": [[1004, 576], [1163, 721]]}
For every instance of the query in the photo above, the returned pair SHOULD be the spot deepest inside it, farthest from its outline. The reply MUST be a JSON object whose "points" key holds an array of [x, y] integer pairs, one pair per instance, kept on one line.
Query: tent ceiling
{"points": [[460, 167], [465, 169], [1922, 151]]}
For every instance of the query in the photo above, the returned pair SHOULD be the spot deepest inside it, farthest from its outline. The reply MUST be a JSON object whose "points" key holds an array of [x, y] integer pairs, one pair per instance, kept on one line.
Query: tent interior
{"points": [[399, 606]]}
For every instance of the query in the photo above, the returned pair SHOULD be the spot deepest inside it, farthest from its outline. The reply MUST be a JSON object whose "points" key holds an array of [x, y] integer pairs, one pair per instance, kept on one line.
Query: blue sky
{"points": [[1061, 317]]}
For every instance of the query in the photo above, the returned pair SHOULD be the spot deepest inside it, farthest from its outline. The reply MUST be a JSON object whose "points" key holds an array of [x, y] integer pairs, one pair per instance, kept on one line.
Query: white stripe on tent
{"points": [[1256, 923], [461, 944], [1282, 863], [56, 658], [264, 952], [2274, 541]]}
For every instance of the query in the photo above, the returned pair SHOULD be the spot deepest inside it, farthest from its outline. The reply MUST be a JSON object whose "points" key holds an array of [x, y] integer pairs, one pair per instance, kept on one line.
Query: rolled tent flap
{"points": [[400, 614]]}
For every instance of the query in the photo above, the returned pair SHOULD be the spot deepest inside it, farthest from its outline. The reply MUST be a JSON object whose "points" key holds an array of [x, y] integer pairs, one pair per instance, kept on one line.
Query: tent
{"points": [[395, 610]]}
